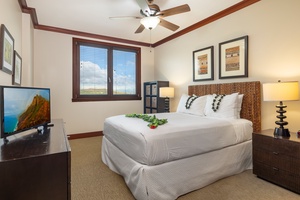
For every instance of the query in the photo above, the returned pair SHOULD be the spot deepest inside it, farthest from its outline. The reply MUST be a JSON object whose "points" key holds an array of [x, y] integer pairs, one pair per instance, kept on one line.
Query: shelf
{"points": [[152, 102]]}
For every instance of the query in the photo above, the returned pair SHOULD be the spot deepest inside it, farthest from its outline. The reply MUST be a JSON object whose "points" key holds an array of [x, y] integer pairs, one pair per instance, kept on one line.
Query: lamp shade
{"points": [[150, 22], [166, 92], [281, 91]]}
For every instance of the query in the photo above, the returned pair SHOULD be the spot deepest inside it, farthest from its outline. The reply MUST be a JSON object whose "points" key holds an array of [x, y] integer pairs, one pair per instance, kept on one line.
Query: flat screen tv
{"points": [[23, 108]]}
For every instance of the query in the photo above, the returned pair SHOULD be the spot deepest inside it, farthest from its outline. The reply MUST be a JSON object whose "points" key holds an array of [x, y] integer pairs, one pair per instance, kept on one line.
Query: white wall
{"points": [[53, 69], [274, 47], [274, 52], [11, 17], [27, 50]]}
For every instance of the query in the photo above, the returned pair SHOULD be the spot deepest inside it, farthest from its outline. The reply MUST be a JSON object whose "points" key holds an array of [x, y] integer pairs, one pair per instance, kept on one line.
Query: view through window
{"points": [[103, 71]]}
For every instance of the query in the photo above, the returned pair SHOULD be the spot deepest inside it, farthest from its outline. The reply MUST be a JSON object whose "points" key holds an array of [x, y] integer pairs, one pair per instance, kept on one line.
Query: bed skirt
{"points": [[170, 180]]}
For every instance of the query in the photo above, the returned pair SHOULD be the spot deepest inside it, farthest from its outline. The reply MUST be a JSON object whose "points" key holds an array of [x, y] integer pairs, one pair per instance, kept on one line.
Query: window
{"points": [[105, 72]]}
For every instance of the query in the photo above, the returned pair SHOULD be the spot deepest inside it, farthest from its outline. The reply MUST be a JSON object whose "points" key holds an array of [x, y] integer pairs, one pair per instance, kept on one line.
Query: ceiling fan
{"points": [[153, 16]]}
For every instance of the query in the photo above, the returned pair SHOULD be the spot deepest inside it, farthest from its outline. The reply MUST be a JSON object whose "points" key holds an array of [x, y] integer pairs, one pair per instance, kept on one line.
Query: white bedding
{"points": [[183, 136], [169, 180]]}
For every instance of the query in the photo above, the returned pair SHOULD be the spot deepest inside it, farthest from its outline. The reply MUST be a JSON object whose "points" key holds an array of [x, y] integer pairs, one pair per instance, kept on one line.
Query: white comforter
{"points": [[183, 136]]}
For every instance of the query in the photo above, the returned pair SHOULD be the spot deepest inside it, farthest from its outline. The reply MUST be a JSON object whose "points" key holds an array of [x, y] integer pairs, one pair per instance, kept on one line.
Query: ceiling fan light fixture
{"points": [[150, 22]]}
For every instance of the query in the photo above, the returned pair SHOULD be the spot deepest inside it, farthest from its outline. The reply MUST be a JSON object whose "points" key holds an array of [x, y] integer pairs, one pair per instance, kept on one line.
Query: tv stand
{"points": [[42, 129], [5, 140], [49, 125], [36, 166]]}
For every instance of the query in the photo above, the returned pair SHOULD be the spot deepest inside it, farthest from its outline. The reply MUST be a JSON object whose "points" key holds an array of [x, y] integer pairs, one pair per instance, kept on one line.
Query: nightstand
{"points": [[277, 159]]}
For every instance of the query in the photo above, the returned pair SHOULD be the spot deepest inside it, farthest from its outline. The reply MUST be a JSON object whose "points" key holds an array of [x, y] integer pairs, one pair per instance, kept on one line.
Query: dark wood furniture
{"points": [[277, 159], [152, 102], [36, 166]]}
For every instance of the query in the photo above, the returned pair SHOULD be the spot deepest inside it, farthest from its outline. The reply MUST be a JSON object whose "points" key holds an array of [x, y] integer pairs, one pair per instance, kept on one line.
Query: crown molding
{"points": [[219, 15]]}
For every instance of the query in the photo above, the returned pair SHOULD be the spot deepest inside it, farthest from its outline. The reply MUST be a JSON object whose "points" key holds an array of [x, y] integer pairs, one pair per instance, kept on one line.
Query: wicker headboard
{"points": [[251, 106]]}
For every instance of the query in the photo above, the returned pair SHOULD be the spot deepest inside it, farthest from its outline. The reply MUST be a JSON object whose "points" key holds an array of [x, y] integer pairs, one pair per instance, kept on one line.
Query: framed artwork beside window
{"points": [[233, 58], [203, 64], [17, 69], [6, 50]]}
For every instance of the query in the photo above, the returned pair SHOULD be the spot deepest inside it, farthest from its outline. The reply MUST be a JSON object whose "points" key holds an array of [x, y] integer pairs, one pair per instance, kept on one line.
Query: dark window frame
{"points": [[77, 97]]}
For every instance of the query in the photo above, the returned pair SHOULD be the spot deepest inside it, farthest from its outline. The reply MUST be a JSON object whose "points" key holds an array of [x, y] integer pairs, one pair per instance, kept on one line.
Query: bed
{"points": [[177, 158]]}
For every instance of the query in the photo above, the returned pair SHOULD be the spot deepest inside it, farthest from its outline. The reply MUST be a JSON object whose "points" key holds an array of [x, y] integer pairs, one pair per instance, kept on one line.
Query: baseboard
{"points": [[85, 135]]}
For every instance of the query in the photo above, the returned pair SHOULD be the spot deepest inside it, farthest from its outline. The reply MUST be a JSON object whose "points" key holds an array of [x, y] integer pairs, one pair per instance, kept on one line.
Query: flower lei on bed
{"points": [[216, 101], [189, 101], [153, 121]]}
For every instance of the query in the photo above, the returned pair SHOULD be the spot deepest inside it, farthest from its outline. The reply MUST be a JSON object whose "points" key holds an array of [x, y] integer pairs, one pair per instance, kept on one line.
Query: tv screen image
{"points": [[23, 108]]}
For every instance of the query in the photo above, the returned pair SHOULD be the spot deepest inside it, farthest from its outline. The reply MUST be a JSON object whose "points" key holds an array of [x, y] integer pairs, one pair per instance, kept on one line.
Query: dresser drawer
{"points": [[277, 160], [277, 176], [278, 146]]}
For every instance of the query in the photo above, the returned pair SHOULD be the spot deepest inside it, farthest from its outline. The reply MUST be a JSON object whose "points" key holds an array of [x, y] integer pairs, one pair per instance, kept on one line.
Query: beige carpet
{"points": [[92, 180]]}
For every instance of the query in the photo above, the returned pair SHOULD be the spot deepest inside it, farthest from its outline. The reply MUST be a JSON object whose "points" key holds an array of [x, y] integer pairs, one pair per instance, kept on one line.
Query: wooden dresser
{"points": [[277, 159], [36, 166]]}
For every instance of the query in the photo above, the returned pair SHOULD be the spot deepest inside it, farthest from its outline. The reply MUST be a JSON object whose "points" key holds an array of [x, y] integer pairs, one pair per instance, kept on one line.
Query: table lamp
{"points": [[167, 93], [281, 91]]}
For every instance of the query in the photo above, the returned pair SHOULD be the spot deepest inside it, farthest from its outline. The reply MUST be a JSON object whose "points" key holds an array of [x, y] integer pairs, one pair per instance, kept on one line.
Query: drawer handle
{"points": [[276, 169], [275, 153]]}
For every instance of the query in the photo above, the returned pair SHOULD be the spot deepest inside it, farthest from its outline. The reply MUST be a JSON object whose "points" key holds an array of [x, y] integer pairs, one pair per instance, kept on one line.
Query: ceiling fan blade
{"points": [[168, 25], [125, 17], [174, 11], [140, 29], [144, 6]]}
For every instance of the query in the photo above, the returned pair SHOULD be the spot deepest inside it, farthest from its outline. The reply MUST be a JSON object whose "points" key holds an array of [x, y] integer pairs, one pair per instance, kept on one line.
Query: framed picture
{"points": [[17, 69], [233, 58], [203, 64], [6, 50]]}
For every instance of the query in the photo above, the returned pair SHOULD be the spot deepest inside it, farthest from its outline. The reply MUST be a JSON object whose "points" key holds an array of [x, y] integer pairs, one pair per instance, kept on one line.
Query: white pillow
{"points": [[239, 105], [227, 108], [197, 107]]}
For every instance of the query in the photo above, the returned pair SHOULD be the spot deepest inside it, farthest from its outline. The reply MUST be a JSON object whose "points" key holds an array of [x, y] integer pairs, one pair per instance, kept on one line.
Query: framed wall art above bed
{"points": [[203, 64], [233, 58]]}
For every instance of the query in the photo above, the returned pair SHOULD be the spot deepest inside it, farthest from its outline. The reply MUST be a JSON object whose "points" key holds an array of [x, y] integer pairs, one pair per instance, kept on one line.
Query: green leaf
{"points": [[153, 121]]}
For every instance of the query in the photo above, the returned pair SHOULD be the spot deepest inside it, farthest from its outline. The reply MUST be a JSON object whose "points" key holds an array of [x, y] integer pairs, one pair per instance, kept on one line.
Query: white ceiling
{"points": [[92, 16]]}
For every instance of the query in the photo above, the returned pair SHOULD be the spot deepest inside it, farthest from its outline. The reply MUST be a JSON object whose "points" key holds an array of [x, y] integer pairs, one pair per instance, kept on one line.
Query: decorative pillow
{"points": [[196, 107], [227, 107]]}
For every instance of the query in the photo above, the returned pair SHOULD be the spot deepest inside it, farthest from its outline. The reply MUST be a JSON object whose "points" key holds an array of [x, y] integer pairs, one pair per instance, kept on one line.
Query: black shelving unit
{"points": [[152, 102]]}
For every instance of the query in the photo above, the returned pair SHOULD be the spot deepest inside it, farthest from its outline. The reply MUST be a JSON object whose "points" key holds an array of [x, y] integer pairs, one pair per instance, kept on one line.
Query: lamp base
{"points": [[281, 132], [167, 104]]}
